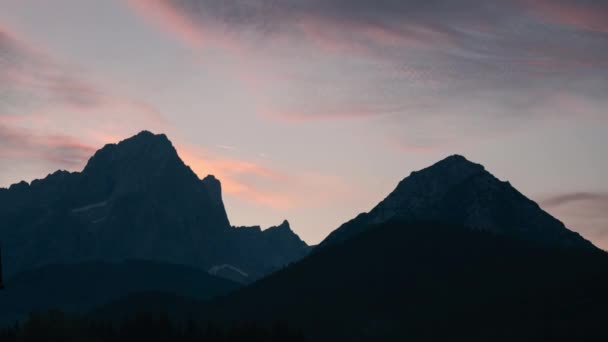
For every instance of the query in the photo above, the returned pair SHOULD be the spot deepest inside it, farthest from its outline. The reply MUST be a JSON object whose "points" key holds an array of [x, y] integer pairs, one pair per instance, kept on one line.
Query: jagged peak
{"points": [[448, 171], [283, 228], [455, 161], [211, 179], [51, 177], [145, 138], [19, 186], [284, 231], [145, 134], [214, 186], [144, 144]]}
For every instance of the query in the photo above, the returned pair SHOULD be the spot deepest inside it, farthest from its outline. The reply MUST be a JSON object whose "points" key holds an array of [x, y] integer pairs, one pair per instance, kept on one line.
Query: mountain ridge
{"points": [[133, 199], [457, 191], [83, 287], [422, 282]]}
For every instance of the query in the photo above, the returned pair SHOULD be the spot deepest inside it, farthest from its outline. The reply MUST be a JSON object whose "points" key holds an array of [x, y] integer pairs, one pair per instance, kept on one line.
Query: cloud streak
{"points": [[589, 15], [575, 197], [31, 80], [401, 51], [260, 183], [58, 150], [29, 76], [52, 114], [585, 212]]}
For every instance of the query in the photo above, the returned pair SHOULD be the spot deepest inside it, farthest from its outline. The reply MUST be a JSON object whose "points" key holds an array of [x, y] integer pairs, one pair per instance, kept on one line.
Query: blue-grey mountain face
{"points": [[85, 286], [458, 192], [134, 199]]}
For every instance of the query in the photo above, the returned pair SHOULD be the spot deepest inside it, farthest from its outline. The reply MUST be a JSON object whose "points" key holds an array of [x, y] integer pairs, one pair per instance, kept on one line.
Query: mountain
{"points": [[501, 270], [400, 281], [264, 249], [83, 287], [458, 192], [135, 199]]}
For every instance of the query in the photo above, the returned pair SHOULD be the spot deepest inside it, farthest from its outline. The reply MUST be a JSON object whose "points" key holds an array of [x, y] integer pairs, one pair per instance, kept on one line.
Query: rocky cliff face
{"points": [[458, 192], [266, 248], [134, 199]]}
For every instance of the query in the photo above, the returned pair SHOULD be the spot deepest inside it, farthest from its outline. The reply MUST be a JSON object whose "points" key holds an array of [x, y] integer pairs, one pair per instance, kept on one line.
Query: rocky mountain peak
{"points": [[135, 199], [145, 147], [214, 188], [458, 191], [283, 228], [443, 174]]}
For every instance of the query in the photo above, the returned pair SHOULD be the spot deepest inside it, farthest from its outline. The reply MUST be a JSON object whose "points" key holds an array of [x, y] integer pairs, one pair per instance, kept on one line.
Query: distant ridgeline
{"points": [[458, 192], [451, 254], [1, 270], [135, 200]]}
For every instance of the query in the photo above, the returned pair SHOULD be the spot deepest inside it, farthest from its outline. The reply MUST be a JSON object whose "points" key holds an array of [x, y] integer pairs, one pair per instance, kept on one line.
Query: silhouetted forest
{"points": [[56, 326]]}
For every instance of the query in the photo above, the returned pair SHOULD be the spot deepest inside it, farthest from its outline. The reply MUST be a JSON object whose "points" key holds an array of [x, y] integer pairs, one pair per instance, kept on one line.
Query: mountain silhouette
{"points": [[134, 200], [83, 287], [399, 281], [408, 281], [453, 253], [1, 270], [458, 192]]}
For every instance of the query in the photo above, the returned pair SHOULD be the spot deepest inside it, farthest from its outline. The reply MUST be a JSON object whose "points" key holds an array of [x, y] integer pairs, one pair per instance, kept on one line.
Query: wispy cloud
{"points": [[227, 147], [164, 14], [263, 184], [585, 212], [248, 180], [589, 15], [30, 77], [401, 51], [600, 199], [53, 113], [62, 151], [31, 80]]}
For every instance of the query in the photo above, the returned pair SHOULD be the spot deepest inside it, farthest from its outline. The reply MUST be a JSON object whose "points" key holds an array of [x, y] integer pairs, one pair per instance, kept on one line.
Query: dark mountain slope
{"points": [[82, 287], [452, 254], [265, 249], [403, 281], [458, 192], [134, 199]]}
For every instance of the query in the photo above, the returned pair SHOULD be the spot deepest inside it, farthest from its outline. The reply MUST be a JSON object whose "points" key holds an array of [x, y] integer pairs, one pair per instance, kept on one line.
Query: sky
{"points": [[314, 110]]}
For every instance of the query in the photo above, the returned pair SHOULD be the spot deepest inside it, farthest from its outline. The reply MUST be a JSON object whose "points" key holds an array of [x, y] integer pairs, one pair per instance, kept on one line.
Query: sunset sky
{"points": [[314, 110]]}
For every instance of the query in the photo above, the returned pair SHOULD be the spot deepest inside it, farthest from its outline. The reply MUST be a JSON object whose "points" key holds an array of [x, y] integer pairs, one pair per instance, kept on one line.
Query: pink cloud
{"points": [[263, 185], [592, 17], [568, 198], [52, 115], [33, 73], [163, 13], [236, 176], [393, 52], [411, 147], [584, 212], [56, 149], [45, 94], [300, 117], [183, 25]]}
